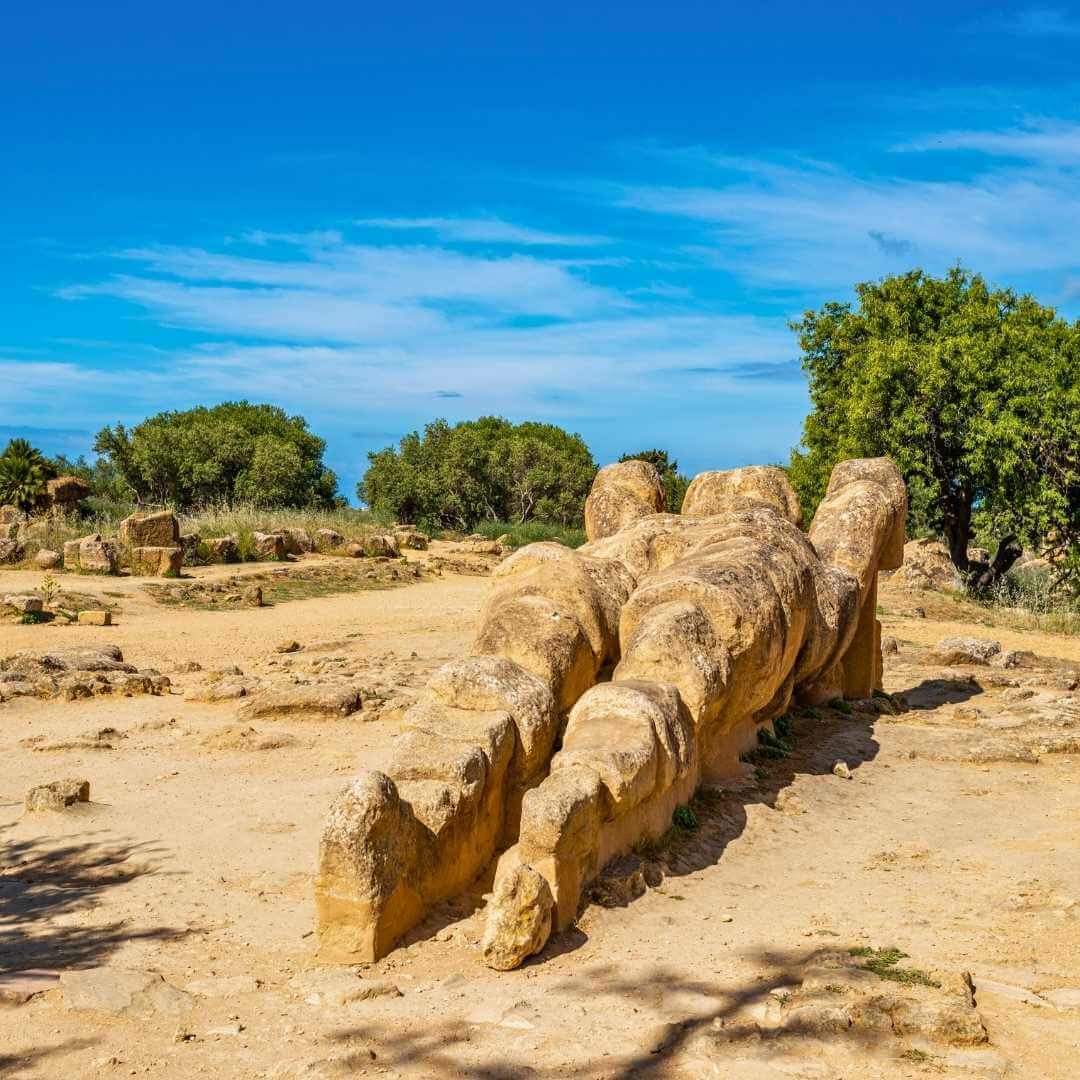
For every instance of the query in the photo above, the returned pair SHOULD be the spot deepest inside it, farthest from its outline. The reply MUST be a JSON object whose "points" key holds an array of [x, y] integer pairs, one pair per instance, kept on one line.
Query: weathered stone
{"points": [[71, 554], [64, 493], [297, 541], [10, 515], [315, 702], [381, 545], [223, 549], [252, 596], [411, 538], [139, 993], [58, 794], [715, 624], [9, 551], [951, 651], [96, 556], [287, 646], [621, 494], [86, 658], [269, 545], [159, 529], [328, 540], [927, 566], [189, 547], [519, 918], [339, 986], [95, 618], [25, 605], [156, 561], [712, 493], [47, 559]]}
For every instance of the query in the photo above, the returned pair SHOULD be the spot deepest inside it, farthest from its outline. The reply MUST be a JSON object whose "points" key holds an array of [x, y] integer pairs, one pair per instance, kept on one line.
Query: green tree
{"points": [[231, 452], [675, 483], [972, 391], [24, 474], [485, 469]]}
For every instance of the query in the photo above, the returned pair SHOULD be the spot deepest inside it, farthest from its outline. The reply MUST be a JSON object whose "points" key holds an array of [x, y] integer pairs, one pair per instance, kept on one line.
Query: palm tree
{"points": [[24, 473]]}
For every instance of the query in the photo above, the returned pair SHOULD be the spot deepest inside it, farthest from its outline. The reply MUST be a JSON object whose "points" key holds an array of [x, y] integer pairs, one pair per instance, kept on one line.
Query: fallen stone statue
{"points": [[604, 686]]}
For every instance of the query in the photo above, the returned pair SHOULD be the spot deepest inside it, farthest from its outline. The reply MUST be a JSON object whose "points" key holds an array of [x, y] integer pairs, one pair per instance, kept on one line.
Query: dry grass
{"points": [[241, 521]]}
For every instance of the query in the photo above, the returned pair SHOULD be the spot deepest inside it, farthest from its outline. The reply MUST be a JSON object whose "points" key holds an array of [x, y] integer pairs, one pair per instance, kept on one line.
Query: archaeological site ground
{"points": [[720, 793]]}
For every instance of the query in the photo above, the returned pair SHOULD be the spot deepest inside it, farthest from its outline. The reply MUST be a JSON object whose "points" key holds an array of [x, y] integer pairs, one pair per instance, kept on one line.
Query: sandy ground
{"points": [[197, 864]]}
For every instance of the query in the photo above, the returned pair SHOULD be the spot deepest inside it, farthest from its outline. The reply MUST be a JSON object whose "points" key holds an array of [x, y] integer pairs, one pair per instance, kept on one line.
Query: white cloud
{"points": [[808, 227], [484, 230], [1043, 141], [342, 292]]}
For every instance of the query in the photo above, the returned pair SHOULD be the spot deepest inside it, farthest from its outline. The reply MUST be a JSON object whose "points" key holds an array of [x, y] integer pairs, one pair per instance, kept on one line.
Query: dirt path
{"points": [[196, 863]]}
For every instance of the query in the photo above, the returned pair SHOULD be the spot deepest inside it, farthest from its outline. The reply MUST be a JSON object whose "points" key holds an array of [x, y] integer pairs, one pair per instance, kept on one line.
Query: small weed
{"points": [[880, 694], [882, 962], [769, 746], [783, 998], [840, 705], [782, 726], [916, 1056], [32, 618], [760, 774], [835, 988], [49, 588], [684, 818], [813, 714]]}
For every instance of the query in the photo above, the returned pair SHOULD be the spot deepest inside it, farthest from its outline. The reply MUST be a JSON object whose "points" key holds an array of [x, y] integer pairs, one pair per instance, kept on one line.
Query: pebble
{"points": [[841, 769]]}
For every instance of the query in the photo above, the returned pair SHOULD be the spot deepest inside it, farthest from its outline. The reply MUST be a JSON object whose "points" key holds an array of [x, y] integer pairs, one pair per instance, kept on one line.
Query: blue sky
{"points": [[597, 214]]}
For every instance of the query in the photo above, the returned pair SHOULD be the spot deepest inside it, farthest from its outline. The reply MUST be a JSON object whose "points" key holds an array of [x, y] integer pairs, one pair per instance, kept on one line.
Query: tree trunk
{"points": [[957, 527], [1007, 553]]}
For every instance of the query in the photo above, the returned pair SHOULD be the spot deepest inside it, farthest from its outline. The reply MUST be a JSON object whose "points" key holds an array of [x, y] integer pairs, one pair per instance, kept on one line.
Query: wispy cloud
{"points": [[340, 292], [483, 230], [809, 226], [1042, 141]]}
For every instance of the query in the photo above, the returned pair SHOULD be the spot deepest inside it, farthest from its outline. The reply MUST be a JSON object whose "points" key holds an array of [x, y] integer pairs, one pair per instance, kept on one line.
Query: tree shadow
{"points": [[457, 1047], [18, 1063], [721, 810], [931, 693], [43, 882]]}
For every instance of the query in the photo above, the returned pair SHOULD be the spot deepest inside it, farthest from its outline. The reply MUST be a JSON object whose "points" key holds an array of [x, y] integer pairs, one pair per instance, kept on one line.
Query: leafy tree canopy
{"points": [[486, 469], [233, 452], [24, 474], [973, 392], [675, 483]]}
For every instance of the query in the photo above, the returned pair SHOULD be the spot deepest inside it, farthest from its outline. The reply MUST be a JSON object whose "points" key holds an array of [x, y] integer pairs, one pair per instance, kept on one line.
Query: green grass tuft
{"points": [[882, 962], [530, 532]]}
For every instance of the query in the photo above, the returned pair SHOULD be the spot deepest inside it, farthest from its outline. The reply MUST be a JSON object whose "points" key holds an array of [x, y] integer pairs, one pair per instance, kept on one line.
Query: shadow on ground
{"points": [[718, 1027], [44, 885]]}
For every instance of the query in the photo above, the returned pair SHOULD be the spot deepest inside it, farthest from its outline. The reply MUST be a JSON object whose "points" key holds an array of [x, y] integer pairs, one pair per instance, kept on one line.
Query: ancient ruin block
{"points": [[58, 795], [158, 529], [223, 549], [714, 619], [156, 561], [96, 556], [269, 545], [64, 493]]}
